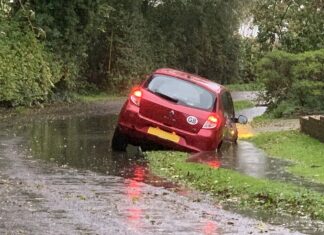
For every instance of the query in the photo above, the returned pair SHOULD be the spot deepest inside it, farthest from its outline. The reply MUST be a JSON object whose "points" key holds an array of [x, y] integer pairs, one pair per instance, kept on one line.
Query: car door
{"points": [[230, 131]]}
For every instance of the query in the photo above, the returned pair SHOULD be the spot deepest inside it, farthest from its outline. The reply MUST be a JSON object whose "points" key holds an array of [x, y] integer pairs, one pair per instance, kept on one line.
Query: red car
{"points": [[177, 110]]}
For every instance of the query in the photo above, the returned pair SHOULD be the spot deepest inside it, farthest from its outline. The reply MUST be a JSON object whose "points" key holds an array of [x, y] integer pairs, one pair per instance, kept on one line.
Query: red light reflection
{"points": [[210, 228], [134, 215], [133, 193], [214, 164], [209, 158]]}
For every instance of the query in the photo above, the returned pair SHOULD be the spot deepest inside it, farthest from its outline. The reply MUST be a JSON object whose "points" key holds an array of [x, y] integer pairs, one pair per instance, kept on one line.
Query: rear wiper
{"points": [[166, 97]]}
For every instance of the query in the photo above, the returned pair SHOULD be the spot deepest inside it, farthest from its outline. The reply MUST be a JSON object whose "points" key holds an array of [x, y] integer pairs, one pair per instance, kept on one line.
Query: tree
{"points": [[197, 36], [28, 72], [113, 43], [292, 25]]}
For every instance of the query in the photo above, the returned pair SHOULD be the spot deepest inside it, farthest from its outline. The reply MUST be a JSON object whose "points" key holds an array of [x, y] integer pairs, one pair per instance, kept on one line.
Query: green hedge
{"points": [[294, 83], [26, 76]]}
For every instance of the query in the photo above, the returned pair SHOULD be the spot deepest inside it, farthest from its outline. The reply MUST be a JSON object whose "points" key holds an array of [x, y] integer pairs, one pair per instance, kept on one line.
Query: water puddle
{"points": [[84, 143], [245, 158]]}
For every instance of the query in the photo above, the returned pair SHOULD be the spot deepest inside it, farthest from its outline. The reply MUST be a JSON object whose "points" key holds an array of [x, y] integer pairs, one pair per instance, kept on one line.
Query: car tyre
{"points": [[119, 141]]}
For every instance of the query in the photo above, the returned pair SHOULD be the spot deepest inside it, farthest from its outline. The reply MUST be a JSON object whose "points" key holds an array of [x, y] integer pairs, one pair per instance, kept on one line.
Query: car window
{"points": [[228, 106], [181, 92]]}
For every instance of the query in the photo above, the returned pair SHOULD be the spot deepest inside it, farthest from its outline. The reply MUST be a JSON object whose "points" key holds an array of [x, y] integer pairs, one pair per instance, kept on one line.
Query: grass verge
{"points": [[242, 104], [307, 153], [95, 97], [262, 120], [234, 189]]}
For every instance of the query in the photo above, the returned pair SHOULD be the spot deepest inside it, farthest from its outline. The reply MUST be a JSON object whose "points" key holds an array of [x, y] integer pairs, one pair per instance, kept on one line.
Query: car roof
{"points": [[210, 85]]}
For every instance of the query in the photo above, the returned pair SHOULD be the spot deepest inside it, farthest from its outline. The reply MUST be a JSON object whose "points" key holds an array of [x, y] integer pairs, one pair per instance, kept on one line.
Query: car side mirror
{"points": [[242, 119]]}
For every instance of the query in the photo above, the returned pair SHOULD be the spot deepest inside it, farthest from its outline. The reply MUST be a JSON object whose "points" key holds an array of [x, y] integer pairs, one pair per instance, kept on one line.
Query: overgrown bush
{"points": [[294, 83], [26, 75]]}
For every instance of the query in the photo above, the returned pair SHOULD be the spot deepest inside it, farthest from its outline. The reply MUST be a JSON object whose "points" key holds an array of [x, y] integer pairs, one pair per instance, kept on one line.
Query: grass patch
{"points": [[95, 97], [242, 104], [307, 153], [244, 87], [263, 120], [234, 189]]}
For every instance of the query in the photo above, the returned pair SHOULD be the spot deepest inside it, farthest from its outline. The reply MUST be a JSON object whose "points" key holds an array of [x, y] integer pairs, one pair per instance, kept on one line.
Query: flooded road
{"points": [[59, 176], [84, 143]]}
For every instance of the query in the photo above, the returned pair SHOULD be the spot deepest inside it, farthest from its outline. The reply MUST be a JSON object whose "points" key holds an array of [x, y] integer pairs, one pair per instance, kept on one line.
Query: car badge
{"points": [[171, 113], [192, 120]]}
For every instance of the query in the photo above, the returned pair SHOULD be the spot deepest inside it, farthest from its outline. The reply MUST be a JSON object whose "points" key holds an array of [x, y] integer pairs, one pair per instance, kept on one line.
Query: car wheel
{"points": [[119, 141]]}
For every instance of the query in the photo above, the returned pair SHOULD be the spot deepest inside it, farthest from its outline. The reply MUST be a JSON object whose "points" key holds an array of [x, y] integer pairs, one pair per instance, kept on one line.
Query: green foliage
{"points": [[249, 55], [306, 152], [293, 26], [140, 36], [197, 36], [234, 189], [293, 82], [69, 27], [26, 76], [113, 44]]}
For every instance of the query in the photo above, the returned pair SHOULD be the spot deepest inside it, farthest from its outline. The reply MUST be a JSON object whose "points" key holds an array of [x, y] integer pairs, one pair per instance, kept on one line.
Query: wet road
{"points": [[59, 176], [53, 186]]}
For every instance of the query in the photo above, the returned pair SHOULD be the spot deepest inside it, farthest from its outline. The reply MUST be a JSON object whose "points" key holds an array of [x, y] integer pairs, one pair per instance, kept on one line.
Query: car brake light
{"points": [[136, 96], [211, 122]]}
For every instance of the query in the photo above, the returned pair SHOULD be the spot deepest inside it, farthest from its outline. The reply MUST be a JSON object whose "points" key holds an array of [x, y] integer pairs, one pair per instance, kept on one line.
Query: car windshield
{"points": [[181, 92]]}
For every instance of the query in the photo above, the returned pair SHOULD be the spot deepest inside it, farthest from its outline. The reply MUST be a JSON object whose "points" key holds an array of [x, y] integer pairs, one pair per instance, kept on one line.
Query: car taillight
{"points": [[212, 122], [136, 96]]}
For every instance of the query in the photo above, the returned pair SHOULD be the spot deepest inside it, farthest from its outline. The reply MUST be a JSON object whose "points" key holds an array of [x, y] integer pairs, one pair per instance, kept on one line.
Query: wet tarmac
{"points": [[59, 176]]}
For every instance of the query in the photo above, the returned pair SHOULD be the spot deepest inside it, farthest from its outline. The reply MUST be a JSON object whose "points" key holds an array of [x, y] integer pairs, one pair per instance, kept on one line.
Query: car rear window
{"points": [[181, 92]]}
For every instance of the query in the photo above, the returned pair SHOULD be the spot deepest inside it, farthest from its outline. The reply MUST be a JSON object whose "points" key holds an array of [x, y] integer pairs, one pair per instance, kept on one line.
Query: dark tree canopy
{"points": [[111, 42], [291, 25]]}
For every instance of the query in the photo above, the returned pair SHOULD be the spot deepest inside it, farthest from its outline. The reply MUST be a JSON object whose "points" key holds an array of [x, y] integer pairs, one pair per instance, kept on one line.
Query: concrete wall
{"points": [[313, 126]]}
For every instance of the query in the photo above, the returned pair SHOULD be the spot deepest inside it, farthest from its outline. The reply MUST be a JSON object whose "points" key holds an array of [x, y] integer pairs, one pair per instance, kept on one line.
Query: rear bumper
{"points": [[135, 127]]}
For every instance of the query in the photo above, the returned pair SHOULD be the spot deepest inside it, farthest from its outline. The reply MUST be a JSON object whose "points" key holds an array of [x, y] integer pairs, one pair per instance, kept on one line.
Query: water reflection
{"points": [[247, 159], [211, 159], [82, 143], [210, 228], [242, 157], [133, 193]]}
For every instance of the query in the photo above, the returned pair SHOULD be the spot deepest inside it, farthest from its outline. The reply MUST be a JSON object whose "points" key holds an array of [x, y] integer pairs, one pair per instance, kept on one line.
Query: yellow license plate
{"points": [[163, 134]]}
